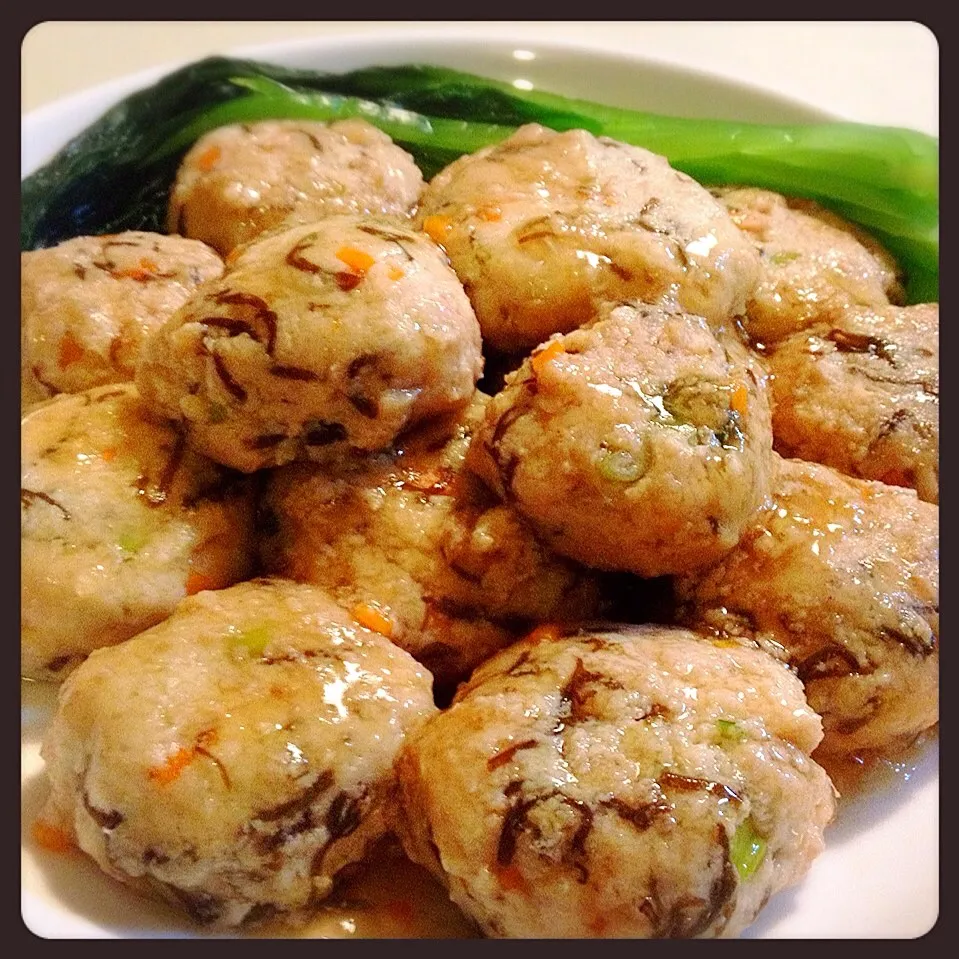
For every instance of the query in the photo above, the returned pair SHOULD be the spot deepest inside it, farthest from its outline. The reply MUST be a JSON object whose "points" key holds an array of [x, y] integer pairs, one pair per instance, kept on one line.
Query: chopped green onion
{"points": [[784, 257], [252, 641], [620, 466], [132, 541], [747, 849], [730, 729]]}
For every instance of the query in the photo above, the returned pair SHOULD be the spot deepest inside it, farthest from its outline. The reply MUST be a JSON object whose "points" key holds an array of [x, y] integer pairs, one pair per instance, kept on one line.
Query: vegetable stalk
{"points": [[117, 174]]}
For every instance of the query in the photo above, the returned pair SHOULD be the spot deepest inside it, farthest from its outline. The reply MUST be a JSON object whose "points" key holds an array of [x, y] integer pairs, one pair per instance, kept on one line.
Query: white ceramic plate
{"points": [[879, 875]]}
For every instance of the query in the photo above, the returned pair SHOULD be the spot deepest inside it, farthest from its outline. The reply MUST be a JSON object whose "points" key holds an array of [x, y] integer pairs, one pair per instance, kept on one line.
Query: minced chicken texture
{"points": [[575, 632], [242, 180], [120, 520], [638, 783], [88, 304], [545, 227], [234, 758]]}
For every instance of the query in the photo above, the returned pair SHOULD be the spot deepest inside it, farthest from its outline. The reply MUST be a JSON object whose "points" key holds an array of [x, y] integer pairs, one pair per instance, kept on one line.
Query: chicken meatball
{"points": [[640, 442], [334, 335], [544, 226], [641, 783], [815, 264], [236, 757], [241, 180], [862, 395], [420, 551], [841, 578], [119, 521], [87, 304]]}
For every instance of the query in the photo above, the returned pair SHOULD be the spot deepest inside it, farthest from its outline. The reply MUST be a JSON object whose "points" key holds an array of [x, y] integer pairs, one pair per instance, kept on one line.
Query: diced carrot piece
{"points": [[739, 401], [357, 260], [372, 617], [490, 213], [70, 350], [109, 454], [549, 352], [51, 837], [396, 273], [171, 769], [207, 159], [437, 227], [142, 271]]}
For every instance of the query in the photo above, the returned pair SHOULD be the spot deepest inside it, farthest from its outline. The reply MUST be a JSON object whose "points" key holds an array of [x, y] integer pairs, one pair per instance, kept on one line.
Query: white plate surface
{"points": [[879, 875]]}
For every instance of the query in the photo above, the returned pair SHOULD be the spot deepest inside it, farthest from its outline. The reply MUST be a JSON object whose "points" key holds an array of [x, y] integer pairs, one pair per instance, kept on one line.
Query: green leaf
{"points": [[116, 174]]}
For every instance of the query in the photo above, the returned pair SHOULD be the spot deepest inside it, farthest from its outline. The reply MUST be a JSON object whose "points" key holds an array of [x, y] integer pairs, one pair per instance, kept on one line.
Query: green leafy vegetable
{"points": [[117, 173]]}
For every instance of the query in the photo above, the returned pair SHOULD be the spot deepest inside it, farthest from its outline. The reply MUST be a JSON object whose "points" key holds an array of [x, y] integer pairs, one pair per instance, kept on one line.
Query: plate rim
{"points": [[365, 45]]}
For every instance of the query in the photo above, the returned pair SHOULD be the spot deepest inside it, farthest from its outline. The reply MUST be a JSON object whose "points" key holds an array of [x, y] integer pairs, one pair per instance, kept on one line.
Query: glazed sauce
{"points": [[389, 897], [864, 773]]}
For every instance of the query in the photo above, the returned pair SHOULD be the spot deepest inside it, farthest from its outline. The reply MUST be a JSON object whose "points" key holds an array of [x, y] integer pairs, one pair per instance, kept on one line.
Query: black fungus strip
{"points": [[670, 780], [29, 496], [301, 802], [828, 662], [232, 386]]}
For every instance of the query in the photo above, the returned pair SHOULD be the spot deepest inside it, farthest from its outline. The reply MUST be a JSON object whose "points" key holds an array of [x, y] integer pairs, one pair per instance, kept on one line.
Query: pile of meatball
{"points": [[554, 517]]}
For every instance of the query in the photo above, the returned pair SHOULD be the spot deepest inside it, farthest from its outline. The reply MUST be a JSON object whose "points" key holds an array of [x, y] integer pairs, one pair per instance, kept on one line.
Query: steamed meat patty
{"points": [[639, 783], [240, 180], [862, 395], [640, 442], [841, 577], [236, 757], [87, 304], [420, 550], [815, 264], [118, 522], [334, 335], [545, 226]]}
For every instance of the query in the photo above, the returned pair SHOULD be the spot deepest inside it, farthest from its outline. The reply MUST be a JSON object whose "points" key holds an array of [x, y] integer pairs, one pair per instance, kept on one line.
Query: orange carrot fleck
{"points": [[197, 582], [171, 769], [207, 159], [51, 837], [549, 352], [142, 271], [357, 260], [372, 617], [739, 401], [490, 213], [437, 227], [512, 879], [545, 633], [70, 350], [396, 273], [109, 454]]}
